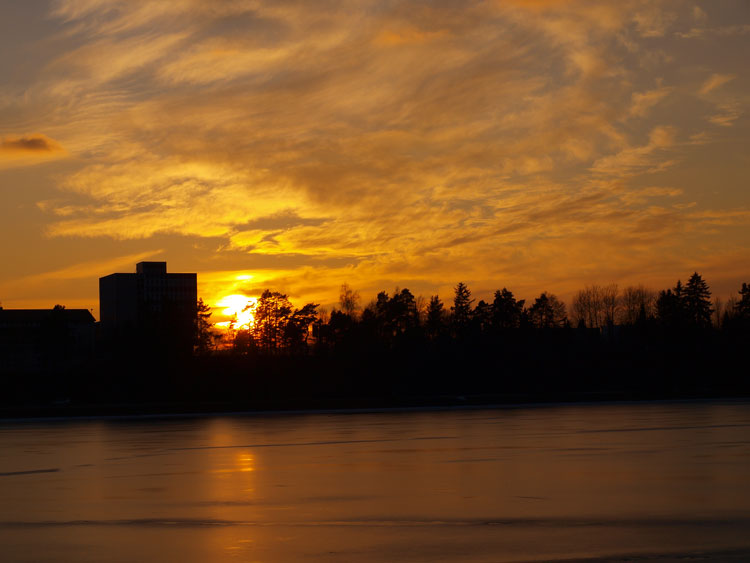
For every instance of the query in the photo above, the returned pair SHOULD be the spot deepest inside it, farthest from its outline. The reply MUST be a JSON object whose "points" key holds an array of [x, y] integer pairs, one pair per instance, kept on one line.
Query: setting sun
{"points": [[235, 305]]}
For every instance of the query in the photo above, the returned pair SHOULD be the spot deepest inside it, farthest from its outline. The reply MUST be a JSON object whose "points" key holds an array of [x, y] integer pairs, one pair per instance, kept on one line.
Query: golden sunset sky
{"points": [[535, 145]]}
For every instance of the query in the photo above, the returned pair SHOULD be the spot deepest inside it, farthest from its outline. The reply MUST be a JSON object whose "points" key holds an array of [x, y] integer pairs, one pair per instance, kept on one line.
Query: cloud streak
{"points": [[715, 81], [29, 147], [416, 141]]}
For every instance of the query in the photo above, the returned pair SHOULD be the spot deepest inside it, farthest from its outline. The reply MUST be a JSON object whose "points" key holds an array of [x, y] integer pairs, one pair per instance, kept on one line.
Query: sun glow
{"points": [[235, 305]]}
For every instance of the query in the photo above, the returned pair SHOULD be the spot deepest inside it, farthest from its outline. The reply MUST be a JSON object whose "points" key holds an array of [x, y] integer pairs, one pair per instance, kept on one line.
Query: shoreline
{"points": [[167, 410]]}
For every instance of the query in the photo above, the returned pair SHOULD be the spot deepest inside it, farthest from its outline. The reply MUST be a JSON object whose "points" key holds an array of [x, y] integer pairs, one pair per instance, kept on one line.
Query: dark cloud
{"points": [[29, 144]]}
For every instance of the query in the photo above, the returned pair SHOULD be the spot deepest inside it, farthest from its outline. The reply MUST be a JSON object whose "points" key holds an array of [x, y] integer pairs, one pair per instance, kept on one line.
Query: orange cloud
{"points": [[728, 114], [388, 144], [715, 81], [642, 102], [408, 36], [32, 145], [641, 158]]}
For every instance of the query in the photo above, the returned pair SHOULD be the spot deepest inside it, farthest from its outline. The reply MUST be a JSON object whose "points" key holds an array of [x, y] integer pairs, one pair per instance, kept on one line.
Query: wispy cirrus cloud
{"points": [[93, 268], [727, 114], [33, 290], [715, 81], [640, 158], [420, 140], [642, 102]]}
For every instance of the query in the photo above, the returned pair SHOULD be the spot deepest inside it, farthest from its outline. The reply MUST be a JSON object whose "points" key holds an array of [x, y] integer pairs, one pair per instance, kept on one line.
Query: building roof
{"points": [[32, 316]]}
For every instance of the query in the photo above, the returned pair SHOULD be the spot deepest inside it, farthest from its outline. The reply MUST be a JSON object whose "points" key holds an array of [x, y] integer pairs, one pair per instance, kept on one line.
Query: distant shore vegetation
{"points": [[278, 327], [401, 349]]}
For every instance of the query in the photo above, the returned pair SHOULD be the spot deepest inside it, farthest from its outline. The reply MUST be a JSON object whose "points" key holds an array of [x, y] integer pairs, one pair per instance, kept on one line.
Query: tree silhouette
{"points": [[277, 325], [435, 321], [610, 300], [403, 309], [296, 329], [506, 311], [697, 302], [271, 313], [461, 310], [339, 326], [635, 302], [547, 311], [381, 315], [670, 307], [204, 335], [243, 342], [395, 315], [596, 305], [348, 300], [481, 316], [742, 307]]}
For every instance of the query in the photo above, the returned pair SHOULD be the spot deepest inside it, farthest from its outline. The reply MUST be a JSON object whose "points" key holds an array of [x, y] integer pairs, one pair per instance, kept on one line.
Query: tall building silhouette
{"points": [[150, 305]]}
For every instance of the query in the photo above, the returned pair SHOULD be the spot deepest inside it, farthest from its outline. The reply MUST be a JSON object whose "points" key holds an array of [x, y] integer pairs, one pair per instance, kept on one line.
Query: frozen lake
{"points": [[539, 483]]}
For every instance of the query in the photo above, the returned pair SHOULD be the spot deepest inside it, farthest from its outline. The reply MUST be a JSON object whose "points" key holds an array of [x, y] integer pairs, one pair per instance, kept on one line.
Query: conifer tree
{"points": [[204, 335], [742, 308], [435, 321], [271, 313], [670, 307], [461, 310], [696, 299]]}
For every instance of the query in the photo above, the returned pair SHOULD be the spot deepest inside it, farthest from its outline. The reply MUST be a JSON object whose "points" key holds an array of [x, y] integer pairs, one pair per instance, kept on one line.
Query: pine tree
{"points": [[670, 306], [461, 310], [435, 321], [271, 313], [204, 335], [696, 299], [742, 308]]}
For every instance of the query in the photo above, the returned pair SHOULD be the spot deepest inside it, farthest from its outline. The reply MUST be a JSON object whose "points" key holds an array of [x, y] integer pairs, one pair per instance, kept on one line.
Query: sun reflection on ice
{"points": [[245, 462]]}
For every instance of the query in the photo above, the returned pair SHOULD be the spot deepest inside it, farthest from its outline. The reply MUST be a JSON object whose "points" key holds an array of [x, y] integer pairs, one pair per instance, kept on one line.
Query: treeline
{"points": [[280, 328], [634, 342], [400, 349]]}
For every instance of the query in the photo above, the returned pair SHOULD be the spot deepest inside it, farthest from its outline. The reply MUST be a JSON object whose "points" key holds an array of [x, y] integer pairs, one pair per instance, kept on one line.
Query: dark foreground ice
{"points": [[643, 482]]}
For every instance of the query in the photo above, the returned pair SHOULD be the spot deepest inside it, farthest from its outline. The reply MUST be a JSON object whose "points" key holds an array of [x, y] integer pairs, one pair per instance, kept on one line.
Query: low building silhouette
{"points": [[45, 340], [149, 310]]}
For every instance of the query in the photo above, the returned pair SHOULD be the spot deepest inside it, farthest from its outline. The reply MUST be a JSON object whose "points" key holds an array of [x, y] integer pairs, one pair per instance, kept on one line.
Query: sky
{"points": [[538, 145]]}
